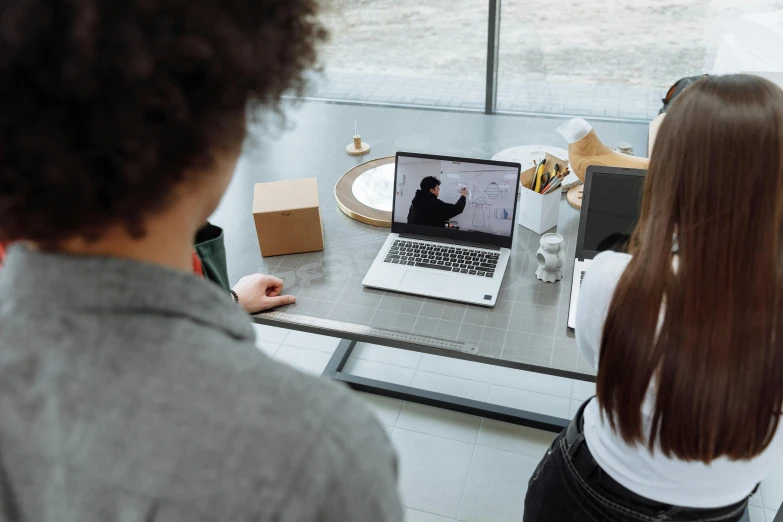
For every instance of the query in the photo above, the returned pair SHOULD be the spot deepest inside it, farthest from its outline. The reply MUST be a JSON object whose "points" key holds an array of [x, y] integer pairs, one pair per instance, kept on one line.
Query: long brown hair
{"points": [[706, 329]]}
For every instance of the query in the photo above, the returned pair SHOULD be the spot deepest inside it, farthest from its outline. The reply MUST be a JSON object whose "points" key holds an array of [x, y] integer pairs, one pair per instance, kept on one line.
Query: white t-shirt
{"points": [[653, 475]]}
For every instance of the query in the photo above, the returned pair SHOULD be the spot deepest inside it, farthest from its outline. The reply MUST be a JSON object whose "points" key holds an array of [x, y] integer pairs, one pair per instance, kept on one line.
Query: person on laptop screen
{"points": [[426, 209]]}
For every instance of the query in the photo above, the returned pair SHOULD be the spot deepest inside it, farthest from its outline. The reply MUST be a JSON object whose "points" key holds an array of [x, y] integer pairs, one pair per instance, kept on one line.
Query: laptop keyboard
{"points": [[442, 257]]}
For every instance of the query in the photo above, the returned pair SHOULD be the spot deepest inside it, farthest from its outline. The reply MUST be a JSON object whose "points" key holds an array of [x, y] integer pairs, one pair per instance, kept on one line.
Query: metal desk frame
{"points": [[334, 370]]}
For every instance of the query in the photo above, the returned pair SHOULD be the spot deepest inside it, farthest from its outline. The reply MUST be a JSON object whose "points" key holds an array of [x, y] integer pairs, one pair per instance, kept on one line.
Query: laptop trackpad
{"points": [[422, 282]]}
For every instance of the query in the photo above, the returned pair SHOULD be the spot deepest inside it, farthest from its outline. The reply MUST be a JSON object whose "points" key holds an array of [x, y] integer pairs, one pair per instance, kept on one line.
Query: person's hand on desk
{"points": [[464, 191], [259, 292]]}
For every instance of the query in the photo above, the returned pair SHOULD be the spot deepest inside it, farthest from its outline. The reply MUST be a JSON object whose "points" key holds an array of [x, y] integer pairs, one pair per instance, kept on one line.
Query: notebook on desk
{"points": [[610, 209]]}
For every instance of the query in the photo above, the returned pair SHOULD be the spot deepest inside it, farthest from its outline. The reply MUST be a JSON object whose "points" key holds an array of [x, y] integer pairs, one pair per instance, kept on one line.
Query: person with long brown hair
{"points": [[684, 330]]}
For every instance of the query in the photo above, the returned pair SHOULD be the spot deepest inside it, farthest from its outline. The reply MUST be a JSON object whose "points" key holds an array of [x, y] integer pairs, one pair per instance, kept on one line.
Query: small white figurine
{"points": [[551, 258]]}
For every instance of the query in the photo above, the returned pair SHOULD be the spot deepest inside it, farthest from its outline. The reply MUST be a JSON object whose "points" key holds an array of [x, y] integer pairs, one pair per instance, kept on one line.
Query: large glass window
{"points": [[596, 58], [612, 58], [426, 53]]}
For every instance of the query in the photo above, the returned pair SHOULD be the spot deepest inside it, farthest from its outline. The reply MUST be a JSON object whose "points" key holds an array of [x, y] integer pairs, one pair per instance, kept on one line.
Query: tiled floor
{"points": [[624, 102], [456, 467]]}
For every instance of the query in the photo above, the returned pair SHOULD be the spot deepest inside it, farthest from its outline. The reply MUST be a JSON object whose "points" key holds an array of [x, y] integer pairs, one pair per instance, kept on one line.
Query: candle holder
{"points": [[358, 147]]}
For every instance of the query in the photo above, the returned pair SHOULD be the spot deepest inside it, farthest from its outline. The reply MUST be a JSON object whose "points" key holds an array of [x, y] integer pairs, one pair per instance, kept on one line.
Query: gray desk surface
{"points": [[527, 327]]}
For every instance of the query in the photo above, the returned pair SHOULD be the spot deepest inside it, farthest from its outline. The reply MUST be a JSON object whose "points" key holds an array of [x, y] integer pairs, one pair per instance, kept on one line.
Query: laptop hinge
{"points": [[449, 241]]}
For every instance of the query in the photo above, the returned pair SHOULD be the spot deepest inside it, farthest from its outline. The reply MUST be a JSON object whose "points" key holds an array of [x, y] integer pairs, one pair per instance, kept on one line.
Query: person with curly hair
{"points": [[254, 292], [130, 389]]}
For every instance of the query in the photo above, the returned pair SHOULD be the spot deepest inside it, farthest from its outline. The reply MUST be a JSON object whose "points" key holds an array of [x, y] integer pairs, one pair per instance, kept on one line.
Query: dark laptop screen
{"points": [[614, 205]]}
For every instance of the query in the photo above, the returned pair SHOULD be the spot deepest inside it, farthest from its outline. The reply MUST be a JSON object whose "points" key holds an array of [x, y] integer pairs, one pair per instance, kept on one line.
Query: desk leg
{"points": [[334, 370]]}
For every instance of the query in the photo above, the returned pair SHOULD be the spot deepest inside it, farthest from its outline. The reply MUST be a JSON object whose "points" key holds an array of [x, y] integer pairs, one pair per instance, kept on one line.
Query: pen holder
{"points": [[539, 212]]}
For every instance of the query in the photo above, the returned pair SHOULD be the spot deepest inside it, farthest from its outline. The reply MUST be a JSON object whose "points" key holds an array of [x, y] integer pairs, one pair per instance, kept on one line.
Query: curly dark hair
{"points": [[106, 105], [429, 183]]}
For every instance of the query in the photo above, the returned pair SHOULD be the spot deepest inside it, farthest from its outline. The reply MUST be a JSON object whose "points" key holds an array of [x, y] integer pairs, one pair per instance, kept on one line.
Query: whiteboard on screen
{"points": [[490, 201]]}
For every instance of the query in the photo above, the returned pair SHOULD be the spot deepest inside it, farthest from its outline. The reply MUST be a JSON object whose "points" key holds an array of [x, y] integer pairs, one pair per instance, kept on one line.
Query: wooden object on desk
{"points": [[358, 147], [352, 207], [590, 150], [574, 196]]}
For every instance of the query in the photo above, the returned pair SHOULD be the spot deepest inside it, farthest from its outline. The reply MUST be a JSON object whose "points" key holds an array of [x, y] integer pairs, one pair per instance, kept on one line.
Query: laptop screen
{"points": [[613, 209], [469, 200]]}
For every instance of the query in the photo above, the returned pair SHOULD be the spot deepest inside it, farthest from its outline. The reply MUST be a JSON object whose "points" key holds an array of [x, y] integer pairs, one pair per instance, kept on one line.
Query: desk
{"points": [[526, 330]]}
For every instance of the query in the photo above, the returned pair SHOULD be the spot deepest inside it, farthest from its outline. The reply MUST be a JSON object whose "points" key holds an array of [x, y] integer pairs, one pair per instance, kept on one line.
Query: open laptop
{"points": [[459, 257], [610, 209]]}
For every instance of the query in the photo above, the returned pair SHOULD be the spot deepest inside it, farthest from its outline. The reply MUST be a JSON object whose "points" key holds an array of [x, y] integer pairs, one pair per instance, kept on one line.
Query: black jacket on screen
{"points": [[427, 209]]}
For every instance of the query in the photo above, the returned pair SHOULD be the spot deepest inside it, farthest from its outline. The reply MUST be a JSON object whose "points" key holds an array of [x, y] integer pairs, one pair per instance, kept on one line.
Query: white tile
{"points": [[757, 499], [385, 408], [756, 514], [583, 390], [432, 471], [414, 515], [308, 361], [772, 492], [770, 514], [573, 409], [270, 349], [530, 401], [379, 371], [311, 341], [514, 438], [439, 422], [387, 355], [451, 385], [389, 430], [496, 486], [537, 382], [456, 368], [270, 334]]}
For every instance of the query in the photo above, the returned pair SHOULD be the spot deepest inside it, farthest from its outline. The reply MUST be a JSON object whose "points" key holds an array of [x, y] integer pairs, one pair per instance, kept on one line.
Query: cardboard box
{"points": [[287, 217], [761, 34], [539, 212]]}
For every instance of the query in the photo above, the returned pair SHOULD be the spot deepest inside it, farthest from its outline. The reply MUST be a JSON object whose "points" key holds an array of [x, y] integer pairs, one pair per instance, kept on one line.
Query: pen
{"points": [[535, 166], [552, 186], [554, 181], [551, 178], [537, 176]]}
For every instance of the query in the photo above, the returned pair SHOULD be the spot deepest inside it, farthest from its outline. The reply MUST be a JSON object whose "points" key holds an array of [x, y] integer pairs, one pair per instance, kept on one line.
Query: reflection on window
{"points": [[430, 53], [599, 58], [608, 58]]}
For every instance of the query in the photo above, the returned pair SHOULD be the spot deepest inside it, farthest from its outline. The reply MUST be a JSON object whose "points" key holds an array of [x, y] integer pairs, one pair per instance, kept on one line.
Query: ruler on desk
{"points": [[340, 327]]}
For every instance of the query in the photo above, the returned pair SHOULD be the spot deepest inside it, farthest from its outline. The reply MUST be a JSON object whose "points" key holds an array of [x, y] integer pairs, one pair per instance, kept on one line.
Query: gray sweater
{"points": [[130, 393]]}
